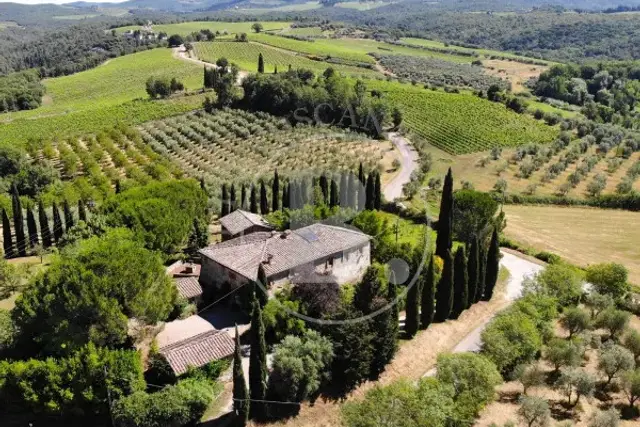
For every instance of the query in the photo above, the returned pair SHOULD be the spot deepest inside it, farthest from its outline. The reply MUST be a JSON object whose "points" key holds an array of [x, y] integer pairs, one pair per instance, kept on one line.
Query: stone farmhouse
{"points": [[341, 254]]}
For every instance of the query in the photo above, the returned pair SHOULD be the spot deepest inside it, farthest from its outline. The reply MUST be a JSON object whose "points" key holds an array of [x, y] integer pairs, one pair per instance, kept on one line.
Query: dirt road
{"points": [[182, 54], [408, 163]]}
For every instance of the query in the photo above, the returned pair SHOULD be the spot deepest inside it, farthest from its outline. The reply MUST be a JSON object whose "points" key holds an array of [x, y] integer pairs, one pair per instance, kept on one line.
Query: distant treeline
{"points": [[21, 91]]}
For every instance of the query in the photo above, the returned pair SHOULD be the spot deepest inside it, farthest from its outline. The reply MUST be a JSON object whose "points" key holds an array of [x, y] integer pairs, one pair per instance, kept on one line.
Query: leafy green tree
{"points": [[473, 377], [58, 227], [444, 291], [632, 342], [474, 212], [257, 364], [613, 360], [575, 320], [427, 298], [529, 375], [493, 266], [385, 331], [614, 321], [18, 222], [535, 412], [89, 293], [575, 381], [473, 271], [598, 303], [444, 240], [460, 283], [7, 237], [563, 353], [257, 27], [630, 382], [370, 287], [7, 330], [240, 393], [560, 281], [175, 40], [609, 279]]}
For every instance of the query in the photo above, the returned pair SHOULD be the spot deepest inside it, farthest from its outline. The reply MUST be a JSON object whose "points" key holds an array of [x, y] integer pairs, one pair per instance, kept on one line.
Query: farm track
{"points": [[181, 54], [408, 164]]}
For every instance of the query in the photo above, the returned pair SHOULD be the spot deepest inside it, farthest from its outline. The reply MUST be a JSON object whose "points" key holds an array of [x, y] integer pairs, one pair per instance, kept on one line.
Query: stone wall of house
{"points": [[218, 277]]}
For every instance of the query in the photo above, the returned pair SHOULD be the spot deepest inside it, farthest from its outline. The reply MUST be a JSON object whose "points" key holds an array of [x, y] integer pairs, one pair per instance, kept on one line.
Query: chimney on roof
{"points": [[285, 234], [268, 260]]}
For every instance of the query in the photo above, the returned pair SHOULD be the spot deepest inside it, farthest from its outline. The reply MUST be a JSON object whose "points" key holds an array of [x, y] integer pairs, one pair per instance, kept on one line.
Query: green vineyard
{"points": [[462, 123]]}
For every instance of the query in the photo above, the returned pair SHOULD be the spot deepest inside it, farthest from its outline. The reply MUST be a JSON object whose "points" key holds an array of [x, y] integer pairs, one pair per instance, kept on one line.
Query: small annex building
{"points": [[341, 253], [239, 223]]}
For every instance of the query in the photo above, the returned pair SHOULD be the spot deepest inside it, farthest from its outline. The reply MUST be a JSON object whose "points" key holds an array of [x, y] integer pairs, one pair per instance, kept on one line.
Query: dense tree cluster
{"points": [[20, 91]]}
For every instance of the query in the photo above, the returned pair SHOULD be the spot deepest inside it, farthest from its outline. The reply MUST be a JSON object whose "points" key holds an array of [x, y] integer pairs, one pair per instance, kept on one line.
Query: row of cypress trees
{"points": [[34, 236], [363, 192], [467, 277]]}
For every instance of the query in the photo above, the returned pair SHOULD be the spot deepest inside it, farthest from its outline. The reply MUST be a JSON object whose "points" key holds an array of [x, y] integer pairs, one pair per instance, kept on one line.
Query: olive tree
{"points": [[534, 411], [613, 360], [630, 382], [614, 321], [597, 303], [529, 376], [575, 381], [563, 353], [609, 418], [632, 342], [575, 320]]}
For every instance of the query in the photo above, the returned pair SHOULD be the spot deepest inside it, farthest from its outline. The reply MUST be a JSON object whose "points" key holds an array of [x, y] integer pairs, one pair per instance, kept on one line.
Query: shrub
{"points": [[615, 321], [560, 281], [575, 320], [609, 279], [609, 418]]}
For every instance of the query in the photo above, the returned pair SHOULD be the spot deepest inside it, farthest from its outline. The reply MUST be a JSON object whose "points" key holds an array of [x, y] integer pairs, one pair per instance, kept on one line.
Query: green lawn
{"points": [[543, 106], [407, 230], [186, 28]]}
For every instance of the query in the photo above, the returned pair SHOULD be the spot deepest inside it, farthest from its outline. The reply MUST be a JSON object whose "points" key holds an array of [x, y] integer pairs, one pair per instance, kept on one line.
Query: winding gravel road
{"points": [[408, 163]]}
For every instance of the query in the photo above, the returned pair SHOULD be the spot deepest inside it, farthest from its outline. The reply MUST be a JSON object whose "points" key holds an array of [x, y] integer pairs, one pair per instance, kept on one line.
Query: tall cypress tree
{"points": [[344, 190], [233, 203], [482, 270], [427, 299], [444, 240], [412, 310], [285, 196], [334, 197], [275, 69], [257, 363], [261, 71], [203, 186], [68, 215], [32, 229], [324, 188], [264, 202], [460, 283], [118, 188], [352, 197], [253, 203], [45, 231], [18, 222], [58, 228], [240, 392], [82, 212], [493, 266], [444, 292], [473, 267], [361, 176], [243, 197], [275, 192], [385, 328], [370, 193], [377, 202], [225, 202], [7, 238]]}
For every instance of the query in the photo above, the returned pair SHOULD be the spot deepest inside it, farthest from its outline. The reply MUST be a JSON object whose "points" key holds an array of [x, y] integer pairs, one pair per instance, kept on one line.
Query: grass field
{"points": [[462, 123], [97, 96], [186, 28], [581, 235], [356, 50], [296, 7], [245, 55]]}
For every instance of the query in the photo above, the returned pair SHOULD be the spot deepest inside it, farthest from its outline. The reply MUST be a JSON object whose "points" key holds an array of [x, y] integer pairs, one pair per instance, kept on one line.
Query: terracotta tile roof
{"points": [[198, 350], [281, 252], [179, 330], [188, 287], [238, 221]]}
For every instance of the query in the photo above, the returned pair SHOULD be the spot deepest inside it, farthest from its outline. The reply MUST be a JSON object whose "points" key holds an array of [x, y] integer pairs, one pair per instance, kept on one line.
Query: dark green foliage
{"points": [[385, 328], [74, 386], [45, 231], [427, 298], [473, 271], [324, 188], [370, 193], [240, 393], [21, 91], [225, 202], [412, 321], [264, 201], [7, 238], [32, 229], [482, 271], [286, 201], [233, 204], [334, 197], [444, 291], [275, 190], [18, 222], [344, 190], [444, 240], [493, 266], [162, 87], [88, 294], [177, 405], [68, 216], [58, 227], [257, 364], [377, 201], [370, 287], [161, 213], [473, 213], [460, 283], [118, 187], [261, 66], [253, 202], [175, 40], [7, 330], [260, 293], [82, 211]]}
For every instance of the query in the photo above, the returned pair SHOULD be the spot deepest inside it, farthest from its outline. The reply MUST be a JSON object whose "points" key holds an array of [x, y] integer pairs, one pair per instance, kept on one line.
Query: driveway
{"points": [[408, 163]]}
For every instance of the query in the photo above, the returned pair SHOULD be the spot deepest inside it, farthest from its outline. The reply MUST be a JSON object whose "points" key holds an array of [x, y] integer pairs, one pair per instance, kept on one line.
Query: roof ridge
{"points": [[188, 340], [336, 228]]}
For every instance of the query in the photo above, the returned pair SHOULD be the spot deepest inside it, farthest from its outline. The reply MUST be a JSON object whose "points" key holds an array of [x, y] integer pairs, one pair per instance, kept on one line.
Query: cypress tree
{"points": [[32, 229], [361, 176], [243, 197], [68, 215], [82, 212], [460, 283], [427, 298], [18, 222], [344, 190], [444, 291], [233, 203], [261, 70], [58, 228], [385, 328], [264, 203], [9, 251], [118, 189], [324, 187], [473, 270], [257, 363], [334, 197], [352, 197], [493, 266], [482, 269], [253, 203], [285, 196], [275, 69], [370, 193], [377, 202], [203, 186], [240, 392], [275, 192], [412, 310], [261, 295], [225, 202], [45, 231], [445, 220]]}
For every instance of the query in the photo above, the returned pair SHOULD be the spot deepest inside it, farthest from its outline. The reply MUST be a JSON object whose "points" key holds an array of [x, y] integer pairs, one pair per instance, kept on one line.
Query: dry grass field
{"points": [[515, 72], [581, 235]]}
